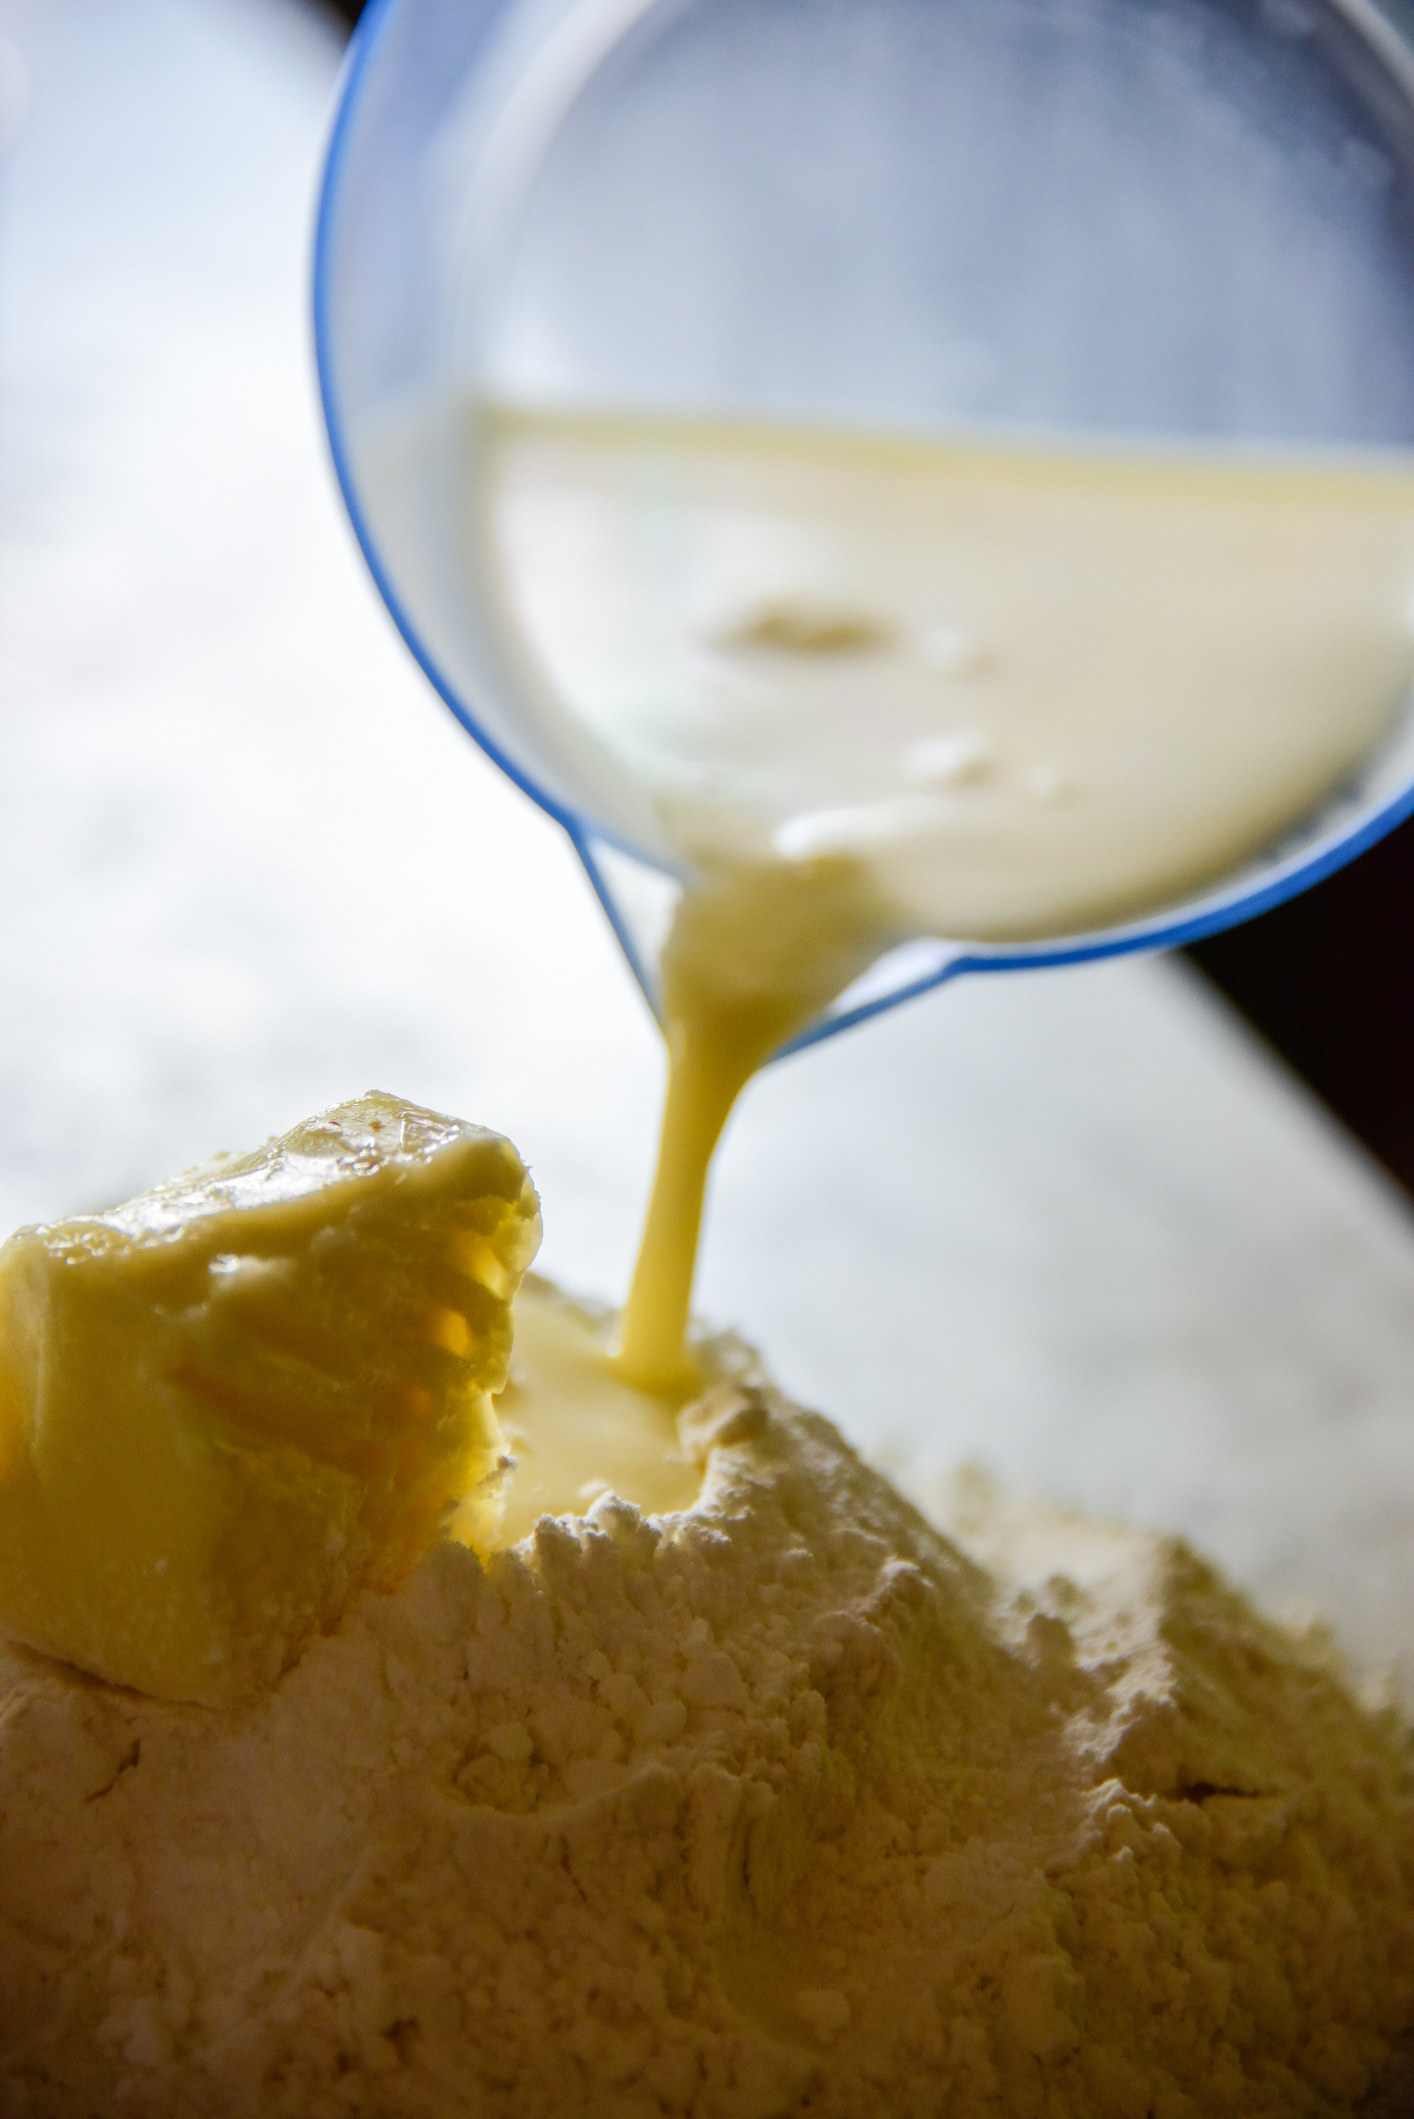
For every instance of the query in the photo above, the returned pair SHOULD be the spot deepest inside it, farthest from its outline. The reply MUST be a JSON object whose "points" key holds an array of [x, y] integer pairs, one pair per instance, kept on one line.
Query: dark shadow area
{"points": [[1326, 979]]}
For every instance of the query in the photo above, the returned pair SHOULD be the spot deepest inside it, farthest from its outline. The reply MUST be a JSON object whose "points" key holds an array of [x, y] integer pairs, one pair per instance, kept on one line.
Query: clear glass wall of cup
{"points": [[1173, 221]]}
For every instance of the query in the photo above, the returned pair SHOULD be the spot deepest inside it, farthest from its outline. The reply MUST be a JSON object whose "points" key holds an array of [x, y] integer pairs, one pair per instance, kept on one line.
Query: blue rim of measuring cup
{"points": [[1156, 932], [357, 61], [356, 65]]}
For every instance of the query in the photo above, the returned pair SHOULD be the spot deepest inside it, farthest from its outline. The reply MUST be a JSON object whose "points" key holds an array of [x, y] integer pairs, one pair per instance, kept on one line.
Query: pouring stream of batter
{"points": [[879, 688]]}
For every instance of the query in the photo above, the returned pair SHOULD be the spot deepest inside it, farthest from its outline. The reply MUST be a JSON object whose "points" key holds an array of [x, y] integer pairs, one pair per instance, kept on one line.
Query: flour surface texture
{"points": [[785, 1804]]}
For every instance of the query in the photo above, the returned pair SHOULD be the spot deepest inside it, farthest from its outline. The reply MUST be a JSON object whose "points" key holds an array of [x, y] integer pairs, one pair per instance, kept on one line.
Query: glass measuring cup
{"points": [[1190, 221]]}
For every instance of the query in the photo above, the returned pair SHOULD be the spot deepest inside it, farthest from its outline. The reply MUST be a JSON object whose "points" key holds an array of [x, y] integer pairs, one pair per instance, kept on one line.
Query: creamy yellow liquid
{"points": [[754, 953], [880, 688], [575, 1429]]}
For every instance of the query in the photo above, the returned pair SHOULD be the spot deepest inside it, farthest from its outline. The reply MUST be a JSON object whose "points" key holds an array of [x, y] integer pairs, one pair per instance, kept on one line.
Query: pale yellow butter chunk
{"points": [[230, 1403]]}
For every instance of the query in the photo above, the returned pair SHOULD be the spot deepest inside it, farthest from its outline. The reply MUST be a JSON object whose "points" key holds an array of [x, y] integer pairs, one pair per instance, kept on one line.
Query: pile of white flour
{"points": [[778, 1806]]}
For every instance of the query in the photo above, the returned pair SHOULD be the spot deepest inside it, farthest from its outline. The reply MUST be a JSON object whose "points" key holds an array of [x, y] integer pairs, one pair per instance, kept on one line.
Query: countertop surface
{"points": [[1074, 1226]]}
